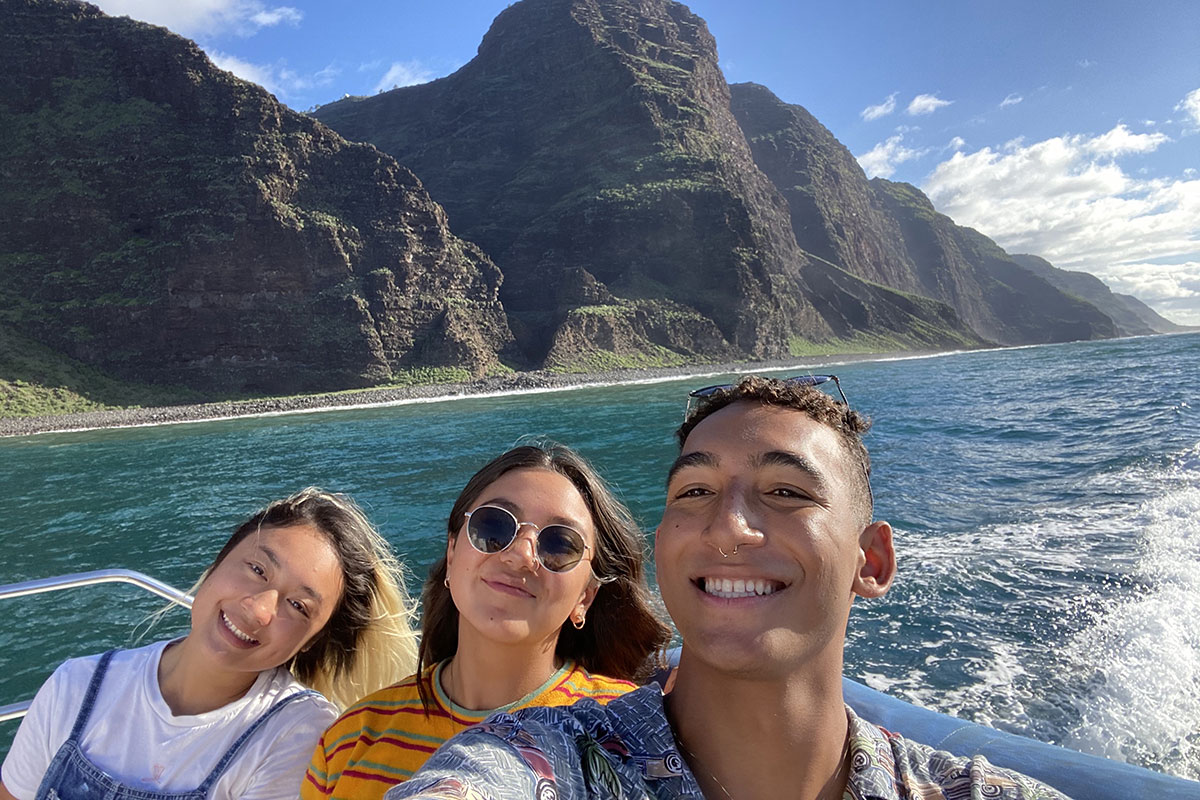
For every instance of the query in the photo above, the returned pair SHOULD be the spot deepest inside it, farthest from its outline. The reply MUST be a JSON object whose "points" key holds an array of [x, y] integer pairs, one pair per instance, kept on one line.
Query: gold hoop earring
{"points": [[579, 623], [446, 581]]}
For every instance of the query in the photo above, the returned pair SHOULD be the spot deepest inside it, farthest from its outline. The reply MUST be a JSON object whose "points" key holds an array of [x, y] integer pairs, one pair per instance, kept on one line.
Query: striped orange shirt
{"points": [[384, 738]]}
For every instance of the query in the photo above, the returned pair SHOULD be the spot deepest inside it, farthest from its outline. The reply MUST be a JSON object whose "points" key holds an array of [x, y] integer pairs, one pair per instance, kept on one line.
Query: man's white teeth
{"points": [[727, 588], [236, 631]]}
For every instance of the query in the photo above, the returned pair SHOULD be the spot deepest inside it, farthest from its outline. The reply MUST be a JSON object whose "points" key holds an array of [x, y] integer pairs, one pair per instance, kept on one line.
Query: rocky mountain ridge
{"points": [[168, 222], [590, 149], [619, 205]]}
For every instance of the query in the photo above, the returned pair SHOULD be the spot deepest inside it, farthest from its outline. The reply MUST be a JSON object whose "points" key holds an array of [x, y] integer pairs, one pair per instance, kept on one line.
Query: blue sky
{"points": [[1066, 129]]}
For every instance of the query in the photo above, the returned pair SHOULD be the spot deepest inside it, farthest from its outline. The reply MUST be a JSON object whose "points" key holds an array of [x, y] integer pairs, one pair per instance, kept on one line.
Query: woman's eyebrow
{"points": [[304, 587], [511, 507]]}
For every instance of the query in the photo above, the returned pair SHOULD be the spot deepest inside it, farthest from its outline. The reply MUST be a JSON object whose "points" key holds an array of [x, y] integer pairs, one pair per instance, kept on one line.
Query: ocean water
{"points": [[1046, 502]]}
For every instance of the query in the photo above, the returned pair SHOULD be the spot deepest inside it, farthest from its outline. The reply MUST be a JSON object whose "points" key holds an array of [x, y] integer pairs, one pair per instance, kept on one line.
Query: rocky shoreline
{"points": [[514, 382]]}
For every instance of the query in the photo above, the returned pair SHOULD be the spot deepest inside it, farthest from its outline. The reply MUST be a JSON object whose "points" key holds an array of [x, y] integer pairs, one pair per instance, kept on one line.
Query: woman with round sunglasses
{"points": [[540, 600]]}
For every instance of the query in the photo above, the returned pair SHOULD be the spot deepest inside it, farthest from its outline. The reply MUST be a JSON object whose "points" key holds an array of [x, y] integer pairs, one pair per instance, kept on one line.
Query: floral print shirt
{"points": [[627, 751]]}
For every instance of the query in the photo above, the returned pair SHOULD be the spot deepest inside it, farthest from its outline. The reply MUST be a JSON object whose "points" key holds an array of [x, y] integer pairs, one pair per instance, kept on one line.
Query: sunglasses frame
{"points": [[537, 538]]}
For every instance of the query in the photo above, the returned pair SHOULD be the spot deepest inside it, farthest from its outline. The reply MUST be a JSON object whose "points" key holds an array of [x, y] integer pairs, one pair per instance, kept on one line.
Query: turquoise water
{"points": [[1046, 501]]}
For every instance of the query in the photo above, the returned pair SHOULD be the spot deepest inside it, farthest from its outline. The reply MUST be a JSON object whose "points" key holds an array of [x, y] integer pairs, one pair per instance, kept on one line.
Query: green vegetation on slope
{"points": [[37, 381]]}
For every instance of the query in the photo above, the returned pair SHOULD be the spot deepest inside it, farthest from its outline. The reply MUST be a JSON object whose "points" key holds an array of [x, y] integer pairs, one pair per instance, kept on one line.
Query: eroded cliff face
{"points": [[1132, 316], [890, 233], [999, 298], [169, 222], [589, 148]]}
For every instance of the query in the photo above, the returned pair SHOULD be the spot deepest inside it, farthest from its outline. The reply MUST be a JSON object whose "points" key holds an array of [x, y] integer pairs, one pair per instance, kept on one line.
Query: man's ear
{"points": [[878, 566]]}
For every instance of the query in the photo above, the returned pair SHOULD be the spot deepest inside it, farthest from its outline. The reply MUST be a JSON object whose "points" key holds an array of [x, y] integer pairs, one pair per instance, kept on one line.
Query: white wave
{"points": [[1124, 680], [1144, 704]]}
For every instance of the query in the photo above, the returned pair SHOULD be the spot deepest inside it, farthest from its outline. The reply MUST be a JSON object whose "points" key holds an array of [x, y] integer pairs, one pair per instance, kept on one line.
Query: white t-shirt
{"points": [[133, 735]]}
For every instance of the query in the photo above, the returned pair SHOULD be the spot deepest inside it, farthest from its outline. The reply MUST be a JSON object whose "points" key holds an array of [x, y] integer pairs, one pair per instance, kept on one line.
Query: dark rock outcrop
{"points": [[889, 233], [589, 148], [169, 222]]}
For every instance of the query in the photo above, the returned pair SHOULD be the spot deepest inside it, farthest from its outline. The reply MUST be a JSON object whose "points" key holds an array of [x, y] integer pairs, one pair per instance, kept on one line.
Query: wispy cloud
{"points": [[1190, 105], [926, 104], [277, 78], [1011, 100], [882, 110], [1086, 63], [957, 143], [1069, 200], [274, 16], [404, 73], [882, 159], [205, 17]]}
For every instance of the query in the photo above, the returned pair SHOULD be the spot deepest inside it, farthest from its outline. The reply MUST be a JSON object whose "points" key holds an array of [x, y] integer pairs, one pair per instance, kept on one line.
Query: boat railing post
{"points": [[74, 581]]}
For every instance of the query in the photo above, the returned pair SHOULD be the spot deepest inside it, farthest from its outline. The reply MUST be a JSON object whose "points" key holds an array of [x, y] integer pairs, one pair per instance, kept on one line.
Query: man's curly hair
{"points": [[846, 422]]}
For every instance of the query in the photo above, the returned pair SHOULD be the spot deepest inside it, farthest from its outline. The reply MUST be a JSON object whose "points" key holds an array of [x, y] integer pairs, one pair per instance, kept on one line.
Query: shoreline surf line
{"points": [[117, 418]]}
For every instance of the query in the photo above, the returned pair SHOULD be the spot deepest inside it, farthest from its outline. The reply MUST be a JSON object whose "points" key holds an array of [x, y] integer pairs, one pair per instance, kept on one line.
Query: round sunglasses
{"points": [[491, 529]]}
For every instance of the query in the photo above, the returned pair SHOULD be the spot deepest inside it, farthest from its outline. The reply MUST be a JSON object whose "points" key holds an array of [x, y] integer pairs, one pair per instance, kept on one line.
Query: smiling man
{"points": [[766, 540]]}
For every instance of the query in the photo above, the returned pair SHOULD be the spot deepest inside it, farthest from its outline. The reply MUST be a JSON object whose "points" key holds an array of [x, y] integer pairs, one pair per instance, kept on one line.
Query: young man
{"points": [[766, 539]]}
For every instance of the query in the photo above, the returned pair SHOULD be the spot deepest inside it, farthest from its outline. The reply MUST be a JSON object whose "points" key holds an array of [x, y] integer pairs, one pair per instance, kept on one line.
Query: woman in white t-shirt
{"points": [[304, 594]]}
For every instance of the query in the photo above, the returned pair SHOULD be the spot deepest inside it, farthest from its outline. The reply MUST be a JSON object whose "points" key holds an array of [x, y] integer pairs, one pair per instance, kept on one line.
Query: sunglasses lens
{"points": [[559, 547], [491, 529]]}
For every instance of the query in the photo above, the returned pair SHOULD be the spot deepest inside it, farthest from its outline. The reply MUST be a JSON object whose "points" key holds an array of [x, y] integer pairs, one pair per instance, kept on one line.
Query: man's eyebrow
{"points": [[304, 588], [782, 458], [696, 459]]}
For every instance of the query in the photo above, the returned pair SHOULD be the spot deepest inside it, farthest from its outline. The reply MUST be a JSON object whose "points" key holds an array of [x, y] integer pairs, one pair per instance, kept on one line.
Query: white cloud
{"points": [[882, 110], [271, 17], [1086, 63], [1190, 105], [1011, 100], [275, 78], [881, 160], [957, 143], [1069, 200], [200, 17], [403, 73], [1121, 141], [926, 104]]}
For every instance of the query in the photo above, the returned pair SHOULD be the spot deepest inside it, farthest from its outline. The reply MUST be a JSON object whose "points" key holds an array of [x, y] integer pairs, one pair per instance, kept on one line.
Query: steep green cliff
{"points": [[889, 233], [1132, 316], [590, 150], [168, 222], [1001, 299]]}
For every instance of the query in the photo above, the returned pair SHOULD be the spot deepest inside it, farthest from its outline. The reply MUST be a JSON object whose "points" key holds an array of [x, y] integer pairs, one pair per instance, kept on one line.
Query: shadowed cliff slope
{"points": [[168, 222], [1132, 316], [890, 233], [589, 149]]}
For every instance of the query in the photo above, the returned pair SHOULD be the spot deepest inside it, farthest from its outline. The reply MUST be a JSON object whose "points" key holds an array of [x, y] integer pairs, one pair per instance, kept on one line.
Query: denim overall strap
{"points": [[89, 698], [237, 746]]}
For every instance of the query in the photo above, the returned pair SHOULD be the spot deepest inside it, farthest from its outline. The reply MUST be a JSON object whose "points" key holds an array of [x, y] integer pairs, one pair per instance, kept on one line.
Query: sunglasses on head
{"points": [[799, 380], [491, 529]]}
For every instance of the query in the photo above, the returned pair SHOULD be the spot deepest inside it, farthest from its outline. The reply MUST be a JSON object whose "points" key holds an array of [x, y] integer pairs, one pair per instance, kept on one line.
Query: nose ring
{"points": [[727, 555]]}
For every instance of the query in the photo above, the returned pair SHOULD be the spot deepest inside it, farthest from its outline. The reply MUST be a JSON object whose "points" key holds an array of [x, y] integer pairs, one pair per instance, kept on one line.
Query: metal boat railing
{"points": [[75, 580]]}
